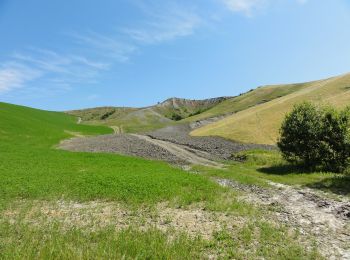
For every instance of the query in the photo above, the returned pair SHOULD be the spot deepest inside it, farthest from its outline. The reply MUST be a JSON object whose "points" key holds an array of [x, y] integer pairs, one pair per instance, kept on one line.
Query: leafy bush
{"points": [[176, 117], [316, 137], [335, 139]]}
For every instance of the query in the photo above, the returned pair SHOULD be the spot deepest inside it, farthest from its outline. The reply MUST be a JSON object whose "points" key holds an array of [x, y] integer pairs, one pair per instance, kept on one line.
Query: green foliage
{"points": [[316, 137], [107, 114], [176, 117], [335, 139], [31, 168]]}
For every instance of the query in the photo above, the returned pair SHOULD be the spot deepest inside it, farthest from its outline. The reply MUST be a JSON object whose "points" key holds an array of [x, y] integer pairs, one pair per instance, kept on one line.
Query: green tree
{"points": [[335, 139], [317, 137]]}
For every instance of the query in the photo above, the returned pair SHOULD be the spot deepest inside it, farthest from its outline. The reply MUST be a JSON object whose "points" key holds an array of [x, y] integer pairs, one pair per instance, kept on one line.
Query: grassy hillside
{"points": [[32, 168], [247, 100], [57, 204], [260, 123], [145, 119]]}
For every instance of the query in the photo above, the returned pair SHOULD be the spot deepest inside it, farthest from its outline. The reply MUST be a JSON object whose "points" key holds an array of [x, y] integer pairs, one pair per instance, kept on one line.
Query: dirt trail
{"points": [[117, 129], [184, 153], [142, 146], [307, 211]]}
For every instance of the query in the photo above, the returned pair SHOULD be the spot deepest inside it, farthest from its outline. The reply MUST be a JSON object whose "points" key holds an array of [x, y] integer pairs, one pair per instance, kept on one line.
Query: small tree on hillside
{"points": [[300, 133], [316, 137], [335, 139]]}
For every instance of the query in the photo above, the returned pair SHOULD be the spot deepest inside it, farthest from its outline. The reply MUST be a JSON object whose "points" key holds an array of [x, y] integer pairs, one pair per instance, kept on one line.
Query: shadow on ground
{"points": [[283, 169], [339, 184]]}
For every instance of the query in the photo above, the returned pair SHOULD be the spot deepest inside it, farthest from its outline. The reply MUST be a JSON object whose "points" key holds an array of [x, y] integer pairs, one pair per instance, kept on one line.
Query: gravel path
{"points": [[120, 144], [309, 212], [184, 153], [171, 144], [216, 146], [141, 146]]}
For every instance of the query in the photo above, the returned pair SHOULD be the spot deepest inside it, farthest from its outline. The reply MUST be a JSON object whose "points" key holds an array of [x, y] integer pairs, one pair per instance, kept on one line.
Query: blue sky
{"points": [[66, 54]]}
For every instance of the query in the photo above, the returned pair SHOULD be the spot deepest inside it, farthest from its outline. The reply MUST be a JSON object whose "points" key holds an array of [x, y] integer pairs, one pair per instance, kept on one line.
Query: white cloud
{"points": [[248, 7], [108, 46], [13, 76], [244, 6], [48, 69], [165, 24]]}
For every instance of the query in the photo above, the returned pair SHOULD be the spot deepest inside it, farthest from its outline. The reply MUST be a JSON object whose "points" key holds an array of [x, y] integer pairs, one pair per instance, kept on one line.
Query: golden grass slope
{"points": [[260, 124]]}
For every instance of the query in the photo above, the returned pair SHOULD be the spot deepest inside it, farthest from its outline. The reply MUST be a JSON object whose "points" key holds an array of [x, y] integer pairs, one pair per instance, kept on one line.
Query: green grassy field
{"points": [[32, 169], [263, 166], [35, 175], [261, 123]]}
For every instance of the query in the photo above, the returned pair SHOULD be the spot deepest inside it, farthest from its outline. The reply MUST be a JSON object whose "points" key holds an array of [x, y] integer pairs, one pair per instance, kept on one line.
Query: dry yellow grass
{"points": [[260, 124]]}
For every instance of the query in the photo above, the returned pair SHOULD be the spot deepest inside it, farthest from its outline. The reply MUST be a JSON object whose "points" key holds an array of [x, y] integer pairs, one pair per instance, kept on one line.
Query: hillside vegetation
{"points": [[260, 123], [32, 169], [56, 204], [145, 119]]}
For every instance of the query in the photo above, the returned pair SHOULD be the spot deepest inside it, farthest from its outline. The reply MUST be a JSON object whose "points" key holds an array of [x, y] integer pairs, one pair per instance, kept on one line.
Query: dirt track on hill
{"points": [[218, 147], [327, 220], [171, 144], [141, 146]]}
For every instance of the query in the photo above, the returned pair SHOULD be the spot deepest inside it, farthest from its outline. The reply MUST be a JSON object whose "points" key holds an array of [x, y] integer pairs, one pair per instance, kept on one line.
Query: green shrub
{"points": [[176, 117], [335, 139], [317, 137]]}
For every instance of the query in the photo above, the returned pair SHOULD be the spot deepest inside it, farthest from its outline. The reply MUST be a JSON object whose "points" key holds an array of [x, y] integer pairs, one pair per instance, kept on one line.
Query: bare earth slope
{"points": [[260, 124], [310, 212]]}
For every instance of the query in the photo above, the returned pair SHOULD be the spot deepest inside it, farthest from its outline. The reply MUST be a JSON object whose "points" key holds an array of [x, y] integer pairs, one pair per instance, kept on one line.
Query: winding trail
{"points": [[182, 152], [327, 220]]}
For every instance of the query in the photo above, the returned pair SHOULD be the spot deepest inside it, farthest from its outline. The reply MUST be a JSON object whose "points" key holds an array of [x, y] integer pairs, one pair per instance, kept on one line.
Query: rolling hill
{"points": [[149, 118], [260, 123]]}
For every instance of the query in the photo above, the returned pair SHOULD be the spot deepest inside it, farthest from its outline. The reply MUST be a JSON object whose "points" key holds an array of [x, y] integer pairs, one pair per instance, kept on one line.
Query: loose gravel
{"points": [[121, 144], [172, 144], [219, 147]]}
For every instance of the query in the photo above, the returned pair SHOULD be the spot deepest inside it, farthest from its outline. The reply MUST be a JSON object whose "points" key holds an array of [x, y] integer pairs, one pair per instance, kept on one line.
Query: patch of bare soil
{"points": [[308, 212], [142, 146], [172, 144], [91, 216], [217, 147], [120, 144]]}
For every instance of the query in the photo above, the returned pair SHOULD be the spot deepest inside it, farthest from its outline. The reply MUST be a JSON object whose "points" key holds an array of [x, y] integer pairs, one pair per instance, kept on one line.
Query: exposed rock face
{"points": [[178, 103]]}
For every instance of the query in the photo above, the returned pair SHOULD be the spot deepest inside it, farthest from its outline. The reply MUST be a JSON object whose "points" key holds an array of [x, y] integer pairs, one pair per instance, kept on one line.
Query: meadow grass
{"points": [[32, 170], [261, 166], [253, 240]]}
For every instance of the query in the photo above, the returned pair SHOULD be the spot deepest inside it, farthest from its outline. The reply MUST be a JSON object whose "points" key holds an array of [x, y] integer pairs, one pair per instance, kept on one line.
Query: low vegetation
{"points": [[317, 137], [261, 166], [33, 172]]}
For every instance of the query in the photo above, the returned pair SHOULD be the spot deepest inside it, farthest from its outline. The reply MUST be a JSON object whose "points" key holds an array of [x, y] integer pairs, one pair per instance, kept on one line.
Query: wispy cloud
{"points": [[245, 6], [109, 46], [249, 7], [57, 71], [13, 76], [165, 23], [160, 22]]}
